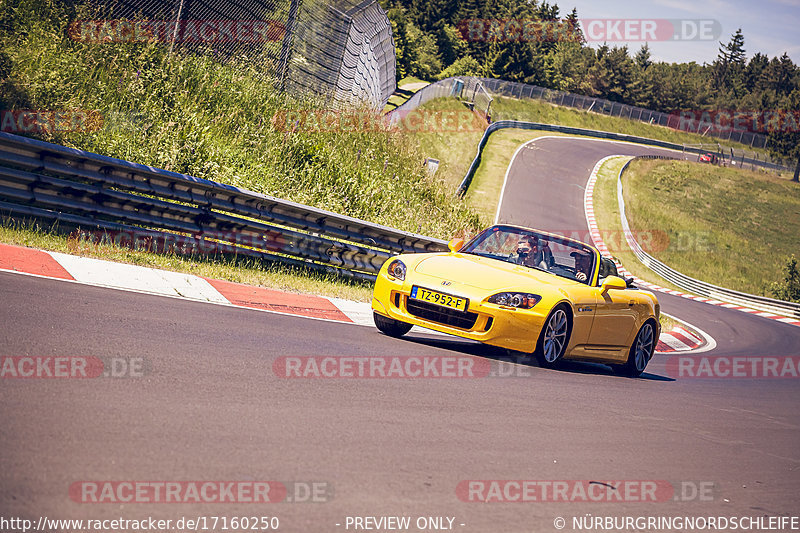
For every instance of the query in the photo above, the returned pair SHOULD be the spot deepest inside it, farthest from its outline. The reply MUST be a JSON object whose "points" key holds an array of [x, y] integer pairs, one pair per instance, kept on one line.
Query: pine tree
{"points": [[642, 58]]}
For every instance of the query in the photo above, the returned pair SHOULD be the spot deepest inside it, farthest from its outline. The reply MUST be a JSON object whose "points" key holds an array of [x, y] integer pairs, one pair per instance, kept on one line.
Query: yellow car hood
{"points": [[485, 273]]}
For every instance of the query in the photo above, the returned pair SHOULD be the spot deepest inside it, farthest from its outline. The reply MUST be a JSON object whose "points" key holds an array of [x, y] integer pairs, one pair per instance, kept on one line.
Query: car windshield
{"points": [[534, 250]]}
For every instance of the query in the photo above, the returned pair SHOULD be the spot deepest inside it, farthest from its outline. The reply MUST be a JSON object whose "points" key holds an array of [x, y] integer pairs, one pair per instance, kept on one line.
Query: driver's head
{"points": [[527, 244]]}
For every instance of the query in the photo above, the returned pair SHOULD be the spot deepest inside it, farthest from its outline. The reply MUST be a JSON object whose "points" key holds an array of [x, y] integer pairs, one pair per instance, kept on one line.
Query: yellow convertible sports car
{"points": [[523, 290]]}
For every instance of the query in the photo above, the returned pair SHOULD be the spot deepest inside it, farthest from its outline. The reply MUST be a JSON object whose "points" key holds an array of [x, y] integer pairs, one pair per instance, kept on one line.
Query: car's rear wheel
{"points": [[390, 326], [640, 353], [554, 338]]}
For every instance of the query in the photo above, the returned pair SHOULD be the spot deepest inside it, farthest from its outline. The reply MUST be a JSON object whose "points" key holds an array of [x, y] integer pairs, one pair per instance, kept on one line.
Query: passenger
{"points": [[583, 265]]}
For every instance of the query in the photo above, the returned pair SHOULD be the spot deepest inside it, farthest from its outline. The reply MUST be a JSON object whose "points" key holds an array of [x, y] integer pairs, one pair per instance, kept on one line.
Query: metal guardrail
{"points": [[87, 191], [698, 287], [503, 124]]}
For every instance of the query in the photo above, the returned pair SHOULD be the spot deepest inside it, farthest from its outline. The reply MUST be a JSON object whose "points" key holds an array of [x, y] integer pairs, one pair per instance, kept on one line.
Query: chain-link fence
{"points": [[606, 107], [340, 49], [344, 50], [466, 88]]}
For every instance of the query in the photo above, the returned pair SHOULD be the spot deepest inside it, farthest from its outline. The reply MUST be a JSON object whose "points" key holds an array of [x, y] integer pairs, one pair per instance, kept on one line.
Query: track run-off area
{"points": [[207, 403]]}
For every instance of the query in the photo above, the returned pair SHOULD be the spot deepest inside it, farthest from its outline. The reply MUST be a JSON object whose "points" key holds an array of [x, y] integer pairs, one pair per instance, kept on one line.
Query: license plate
{"points": [[438, 298]]}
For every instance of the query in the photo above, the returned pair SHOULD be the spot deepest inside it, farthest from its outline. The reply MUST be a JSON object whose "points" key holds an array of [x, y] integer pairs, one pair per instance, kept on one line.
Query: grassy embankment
{"points": [[730, 227], [195, 115], [726, 226]]}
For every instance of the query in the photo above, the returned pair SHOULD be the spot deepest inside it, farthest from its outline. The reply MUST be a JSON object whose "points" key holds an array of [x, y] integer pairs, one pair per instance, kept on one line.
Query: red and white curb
{"points": [[121, 276], [588, 207], [682, 339]]}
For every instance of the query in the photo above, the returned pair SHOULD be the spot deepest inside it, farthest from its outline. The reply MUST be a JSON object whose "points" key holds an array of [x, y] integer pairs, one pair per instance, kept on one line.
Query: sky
{"points": [[771, 27]]}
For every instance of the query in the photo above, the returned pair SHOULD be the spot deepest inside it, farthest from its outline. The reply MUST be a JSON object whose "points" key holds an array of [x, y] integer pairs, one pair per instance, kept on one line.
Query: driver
{"points": [[583, 265], [530, 254]]}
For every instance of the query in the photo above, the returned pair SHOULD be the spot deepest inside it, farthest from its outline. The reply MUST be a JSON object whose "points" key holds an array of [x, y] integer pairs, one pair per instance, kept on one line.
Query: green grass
{"points": [[455, 150], [220, 121], [606, 211], [538, 111], [726, 226], [239, 270], [668, 323]]}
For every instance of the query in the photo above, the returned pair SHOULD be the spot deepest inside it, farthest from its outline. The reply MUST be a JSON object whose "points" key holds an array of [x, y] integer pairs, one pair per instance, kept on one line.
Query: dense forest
{"points": [[432, 41]]}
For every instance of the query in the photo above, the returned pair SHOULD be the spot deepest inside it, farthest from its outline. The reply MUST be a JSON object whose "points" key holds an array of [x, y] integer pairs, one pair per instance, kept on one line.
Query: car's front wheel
{"points": [[390, 326], [640, 353], [554, 338]]}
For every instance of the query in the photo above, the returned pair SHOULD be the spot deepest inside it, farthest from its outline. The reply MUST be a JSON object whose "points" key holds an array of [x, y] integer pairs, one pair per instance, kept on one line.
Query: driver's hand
{"points": [[580, 276]]}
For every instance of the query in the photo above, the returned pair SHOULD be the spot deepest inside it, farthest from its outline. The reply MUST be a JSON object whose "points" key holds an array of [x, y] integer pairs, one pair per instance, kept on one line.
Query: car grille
{"points": [[440, 314]]}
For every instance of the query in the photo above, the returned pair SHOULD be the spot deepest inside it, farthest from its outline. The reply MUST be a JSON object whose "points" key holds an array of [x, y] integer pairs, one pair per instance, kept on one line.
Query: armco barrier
{"points": [[695, 286], [83, 190], [503, 124]]}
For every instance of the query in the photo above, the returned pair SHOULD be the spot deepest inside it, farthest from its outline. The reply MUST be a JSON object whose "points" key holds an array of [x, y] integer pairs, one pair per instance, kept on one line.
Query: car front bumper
{"points": [[506, 327]]}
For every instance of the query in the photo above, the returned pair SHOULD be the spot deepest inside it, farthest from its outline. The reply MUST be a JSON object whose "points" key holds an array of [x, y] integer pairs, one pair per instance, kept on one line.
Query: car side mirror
{"points": [[613, 282], [455, 244]]}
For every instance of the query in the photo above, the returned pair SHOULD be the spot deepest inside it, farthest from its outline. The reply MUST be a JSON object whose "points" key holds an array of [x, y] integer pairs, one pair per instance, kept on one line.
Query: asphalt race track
{"points": [[209, 407]]}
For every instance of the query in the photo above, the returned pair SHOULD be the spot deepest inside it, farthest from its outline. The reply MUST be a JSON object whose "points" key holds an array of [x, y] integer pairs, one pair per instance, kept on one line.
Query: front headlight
{"points": [[522, 300], [397, 269]]}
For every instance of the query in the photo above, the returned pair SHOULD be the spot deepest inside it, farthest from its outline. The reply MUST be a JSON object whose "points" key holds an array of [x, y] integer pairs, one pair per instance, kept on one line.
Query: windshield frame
{"points": [[561, 272]]}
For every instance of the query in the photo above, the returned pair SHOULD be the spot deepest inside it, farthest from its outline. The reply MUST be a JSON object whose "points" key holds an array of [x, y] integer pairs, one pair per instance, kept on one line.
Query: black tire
{"points": [[554, 338], [640, 353], [390, 326]]}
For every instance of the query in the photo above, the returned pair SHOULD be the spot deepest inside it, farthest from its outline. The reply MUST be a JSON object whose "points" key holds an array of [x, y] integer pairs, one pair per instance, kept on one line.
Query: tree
{"points": [[734, 51], [728, 68], [785, 141], [416, 53], [789, 289], [612, 76], [452, 46], [464, 66], [569, 62], [779, 76], [574, 24], [642, 57], [754, 72]]}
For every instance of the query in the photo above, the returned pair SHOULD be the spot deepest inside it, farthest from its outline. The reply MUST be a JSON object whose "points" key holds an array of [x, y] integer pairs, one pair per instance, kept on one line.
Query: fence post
{"points": [[177, 25], [286, 47]]}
